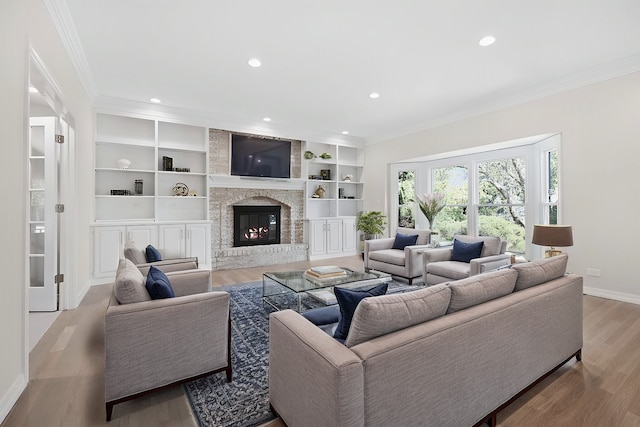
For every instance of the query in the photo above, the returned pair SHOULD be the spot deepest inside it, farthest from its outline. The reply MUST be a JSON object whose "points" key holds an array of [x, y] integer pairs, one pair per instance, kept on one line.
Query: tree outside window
{"points": [[551, 186], [501, 207], [453, 182], [406, 196]]}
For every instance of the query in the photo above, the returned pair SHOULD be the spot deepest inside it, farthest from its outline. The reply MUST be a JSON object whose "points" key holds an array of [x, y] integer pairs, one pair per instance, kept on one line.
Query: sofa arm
{"points": [[413, 259], [154, 343], [167, 265], [488, 263], [190, 281], [376, 245], [313, 379]]}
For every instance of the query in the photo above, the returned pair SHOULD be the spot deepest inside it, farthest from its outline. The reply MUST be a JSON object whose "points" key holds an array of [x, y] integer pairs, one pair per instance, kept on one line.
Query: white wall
{"points": [[600, 130], [23, 22]]}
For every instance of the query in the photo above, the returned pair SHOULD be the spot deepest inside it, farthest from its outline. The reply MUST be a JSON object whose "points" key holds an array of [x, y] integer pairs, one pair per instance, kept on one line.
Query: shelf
{"points": [[118, 170], [181, 173], [101, 196], [182, 197]]}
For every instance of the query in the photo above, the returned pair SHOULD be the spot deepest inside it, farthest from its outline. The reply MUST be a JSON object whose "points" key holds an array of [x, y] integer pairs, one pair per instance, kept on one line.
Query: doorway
{"points": [[51, 141]]}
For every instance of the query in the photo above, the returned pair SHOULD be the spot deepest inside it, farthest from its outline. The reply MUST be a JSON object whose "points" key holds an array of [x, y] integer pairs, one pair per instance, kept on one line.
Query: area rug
{"points": [[244, 402]]}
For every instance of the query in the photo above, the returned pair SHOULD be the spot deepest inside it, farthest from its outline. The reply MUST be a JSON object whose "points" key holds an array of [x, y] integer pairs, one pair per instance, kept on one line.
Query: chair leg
{"points": [[109, 408], [410, 281], [229, 373]]}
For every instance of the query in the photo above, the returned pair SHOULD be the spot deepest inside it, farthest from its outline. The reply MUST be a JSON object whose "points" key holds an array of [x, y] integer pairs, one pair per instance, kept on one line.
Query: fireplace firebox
{"points": [[256, 225]]}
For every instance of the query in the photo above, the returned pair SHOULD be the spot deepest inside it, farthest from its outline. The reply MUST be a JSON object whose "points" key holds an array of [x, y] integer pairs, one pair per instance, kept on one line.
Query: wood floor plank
{"points": [[67, 371]]}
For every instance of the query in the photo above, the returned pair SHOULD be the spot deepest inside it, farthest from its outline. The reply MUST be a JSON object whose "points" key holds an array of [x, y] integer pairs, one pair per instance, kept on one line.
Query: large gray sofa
{"points": [[447, 355]]}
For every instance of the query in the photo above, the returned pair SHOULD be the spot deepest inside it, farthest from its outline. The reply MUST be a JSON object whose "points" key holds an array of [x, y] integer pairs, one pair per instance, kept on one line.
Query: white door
{"points": [[349, 235], [171, 241], [43, 221], [197, 243], [143, 235], [317, 237], [107, 250], [334, 236]]}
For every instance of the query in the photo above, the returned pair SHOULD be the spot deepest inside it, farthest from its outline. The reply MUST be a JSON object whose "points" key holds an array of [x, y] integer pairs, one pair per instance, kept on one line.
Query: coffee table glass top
{"points": [[299, 281]]}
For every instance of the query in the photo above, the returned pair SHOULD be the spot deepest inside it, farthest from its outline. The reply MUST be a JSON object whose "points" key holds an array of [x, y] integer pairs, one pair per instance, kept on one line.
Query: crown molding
{"points": [[583, 78], [61, 18]]}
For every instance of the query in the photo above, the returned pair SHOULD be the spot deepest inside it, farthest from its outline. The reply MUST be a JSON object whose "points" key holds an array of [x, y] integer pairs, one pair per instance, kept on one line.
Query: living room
{"points": [[594, 111]]}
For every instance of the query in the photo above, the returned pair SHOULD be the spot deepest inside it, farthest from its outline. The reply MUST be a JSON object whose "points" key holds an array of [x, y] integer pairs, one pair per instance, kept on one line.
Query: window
{"points": [[406, 196], [499, 190], [501, 201], [550, 193], [453, 182]]}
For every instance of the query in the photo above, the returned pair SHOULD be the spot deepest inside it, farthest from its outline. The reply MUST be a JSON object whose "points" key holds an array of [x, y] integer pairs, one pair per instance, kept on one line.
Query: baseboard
{"points": [[617, 296], [11, 396], [82, 293]]}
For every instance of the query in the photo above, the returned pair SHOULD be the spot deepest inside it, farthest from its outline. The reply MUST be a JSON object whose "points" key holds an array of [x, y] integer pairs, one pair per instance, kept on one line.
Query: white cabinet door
{"points": [[143, 235], [349, 235], [197, 243], [108, 242], [317, 243], [333, 235], [172, 241]]}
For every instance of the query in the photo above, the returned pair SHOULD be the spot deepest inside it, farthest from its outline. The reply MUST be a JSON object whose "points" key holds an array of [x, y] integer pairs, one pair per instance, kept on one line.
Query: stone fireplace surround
{"points": [[225, 191]]}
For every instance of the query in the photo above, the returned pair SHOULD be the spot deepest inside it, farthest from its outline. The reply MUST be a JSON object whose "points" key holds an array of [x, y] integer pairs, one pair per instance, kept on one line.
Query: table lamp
{"points": [[552, 236]]}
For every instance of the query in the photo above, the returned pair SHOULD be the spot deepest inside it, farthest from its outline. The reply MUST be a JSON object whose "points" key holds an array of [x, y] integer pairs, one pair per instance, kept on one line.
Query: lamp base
{"points": [[552, 252]]}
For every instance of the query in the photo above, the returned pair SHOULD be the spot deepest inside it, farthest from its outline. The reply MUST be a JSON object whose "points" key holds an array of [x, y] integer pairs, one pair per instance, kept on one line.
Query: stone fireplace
{"points": [[227, 193]]}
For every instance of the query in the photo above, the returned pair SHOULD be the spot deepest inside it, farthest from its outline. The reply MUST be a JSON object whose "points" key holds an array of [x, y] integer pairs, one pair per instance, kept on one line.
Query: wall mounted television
{"points": [[253, 156]]}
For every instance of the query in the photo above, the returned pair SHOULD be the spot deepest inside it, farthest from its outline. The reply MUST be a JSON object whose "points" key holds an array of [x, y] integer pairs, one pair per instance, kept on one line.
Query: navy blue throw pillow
{"points": [[403, 240], [465, 252], [348, 300], [158, 284], [153, 254]]}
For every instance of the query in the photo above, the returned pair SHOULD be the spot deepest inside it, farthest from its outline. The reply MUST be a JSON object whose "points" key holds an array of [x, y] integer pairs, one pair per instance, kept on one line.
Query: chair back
{"points": [[423, 234], [492, 245]]}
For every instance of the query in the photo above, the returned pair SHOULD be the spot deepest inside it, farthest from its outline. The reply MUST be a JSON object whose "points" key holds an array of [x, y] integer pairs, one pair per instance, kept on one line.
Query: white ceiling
{"points": [[322, 59]]}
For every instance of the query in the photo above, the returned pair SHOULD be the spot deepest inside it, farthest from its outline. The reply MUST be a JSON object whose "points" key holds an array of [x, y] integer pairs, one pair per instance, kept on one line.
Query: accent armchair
{"points": [[407, 263], [440, 268], [154, 344], [138, 257]]}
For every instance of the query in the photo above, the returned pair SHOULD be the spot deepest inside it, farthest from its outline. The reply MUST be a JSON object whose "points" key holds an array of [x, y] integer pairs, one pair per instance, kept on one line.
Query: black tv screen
{"points": [[251, 156]]}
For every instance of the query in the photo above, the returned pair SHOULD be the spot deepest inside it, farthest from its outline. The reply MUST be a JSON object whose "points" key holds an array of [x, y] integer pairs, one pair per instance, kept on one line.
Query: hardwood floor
{"points": [[67, 372]]}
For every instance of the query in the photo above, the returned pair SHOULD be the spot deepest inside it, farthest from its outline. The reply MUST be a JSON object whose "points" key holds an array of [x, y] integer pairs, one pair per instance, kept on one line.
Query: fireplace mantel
{"points": [[229, 181]]}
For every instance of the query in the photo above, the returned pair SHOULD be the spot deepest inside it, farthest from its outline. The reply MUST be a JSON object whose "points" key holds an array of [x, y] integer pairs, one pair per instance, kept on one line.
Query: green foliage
{"points": [[406, 186], [513, 233], [371, 222]]}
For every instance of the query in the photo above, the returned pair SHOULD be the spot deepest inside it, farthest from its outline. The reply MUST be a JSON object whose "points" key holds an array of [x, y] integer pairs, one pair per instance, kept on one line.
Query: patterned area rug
{"points": [[244, 402]]}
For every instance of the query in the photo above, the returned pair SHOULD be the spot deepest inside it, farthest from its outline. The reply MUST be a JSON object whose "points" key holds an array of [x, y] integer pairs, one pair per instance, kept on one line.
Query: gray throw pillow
{"points": [[540, 271], [481, 288], [376, 316], [134, 254], [129, 286]]}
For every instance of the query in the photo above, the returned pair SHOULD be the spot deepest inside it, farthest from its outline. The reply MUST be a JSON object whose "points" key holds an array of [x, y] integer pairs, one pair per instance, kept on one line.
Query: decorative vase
{"points": [[124, 163]]}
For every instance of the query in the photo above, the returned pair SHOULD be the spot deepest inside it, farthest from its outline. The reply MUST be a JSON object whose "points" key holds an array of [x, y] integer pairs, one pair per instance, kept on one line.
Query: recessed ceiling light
{"points": [[374, 95], [155, 100], [255, 62], [267, 119], [487, 41], [345, 132], [33, 89]]}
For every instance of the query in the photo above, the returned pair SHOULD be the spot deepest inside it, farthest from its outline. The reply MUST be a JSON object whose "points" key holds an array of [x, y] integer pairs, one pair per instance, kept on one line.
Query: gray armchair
{"points": [[154, 344], [407, 263], [138, 257], [439, 268]]}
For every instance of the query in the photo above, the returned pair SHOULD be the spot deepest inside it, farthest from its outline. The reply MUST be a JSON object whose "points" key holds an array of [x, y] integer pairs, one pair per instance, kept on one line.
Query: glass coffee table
{"points": [[287, 289]]}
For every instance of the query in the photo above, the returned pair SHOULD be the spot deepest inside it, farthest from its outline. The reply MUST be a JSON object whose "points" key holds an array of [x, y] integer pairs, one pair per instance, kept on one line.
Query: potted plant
{"points": [[371, 223]]}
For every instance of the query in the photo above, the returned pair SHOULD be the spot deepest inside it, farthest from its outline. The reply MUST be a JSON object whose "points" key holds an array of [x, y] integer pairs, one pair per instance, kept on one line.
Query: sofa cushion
{"points": [[481, 288], [540, 271], [129, 285], [384, 314], [454, 270], [403, 240], [132, 253], [465, 252], [153, 255], [492, 245], [158, 284], [423, 235], [388, 256], [348, 300], [325, 318]]}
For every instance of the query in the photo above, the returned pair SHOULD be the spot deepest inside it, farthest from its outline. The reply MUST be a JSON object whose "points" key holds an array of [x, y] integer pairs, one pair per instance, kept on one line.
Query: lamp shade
{"points": [[552, 235]]}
